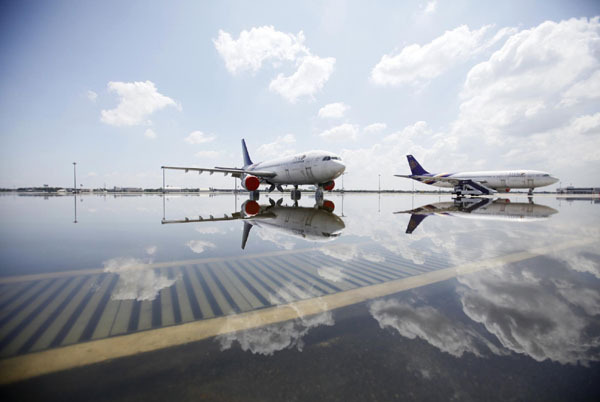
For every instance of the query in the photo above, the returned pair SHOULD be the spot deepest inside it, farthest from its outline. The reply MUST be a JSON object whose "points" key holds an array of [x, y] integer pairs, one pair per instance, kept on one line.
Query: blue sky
{"points": [[125, 87]]}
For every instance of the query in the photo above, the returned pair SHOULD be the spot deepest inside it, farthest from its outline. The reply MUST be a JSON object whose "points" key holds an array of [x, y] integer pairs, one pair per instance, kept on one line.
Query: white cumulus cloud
{"points": [[375, 128], [198, 137], [138, 100], [282, 146], [92, 96], [417, 64], [199, 246], [207, 154], [311, 76], [430, 7], [333, 110], [149, 133], [257, 45], [342, 132]]}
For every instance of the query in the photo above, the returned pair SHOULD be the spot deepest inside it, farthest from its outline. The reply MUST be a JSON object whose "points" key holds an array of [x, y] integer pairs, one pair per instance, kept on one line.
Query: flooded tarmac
{"points": [[356, 297]]}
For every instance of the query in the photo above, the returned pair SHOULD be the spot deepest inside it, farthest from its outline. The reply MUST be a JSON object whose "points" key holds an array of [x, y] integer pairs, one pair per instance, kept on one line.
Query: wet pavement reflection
{"points": [[219, 295]]}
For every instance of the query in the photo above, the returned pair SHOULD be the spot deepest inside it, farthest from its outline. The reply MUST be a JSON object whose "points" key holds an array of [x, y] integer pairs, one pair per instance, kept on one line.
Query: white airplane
{"points": [[318, 223], [480, 208], [480, 183], [318, 168]]}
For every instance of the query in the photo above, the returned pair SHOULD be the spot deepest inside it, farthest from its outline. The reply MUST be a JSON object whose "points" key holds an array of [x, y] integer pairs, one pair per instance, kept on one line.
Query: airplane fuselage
{"points": [[307, 223], [499, 180], [313, 167]]}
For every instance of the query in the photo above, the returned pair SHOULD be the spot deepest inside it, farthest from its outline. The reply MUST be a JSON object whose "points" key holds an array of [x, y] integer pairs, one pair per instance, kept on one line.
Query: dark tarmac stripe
{"points": [[60, 337], [273, 292], [356, 273], [224, 291], [174, 299], [247, 284], [285, 278], [16, 294], [25, 303], [212, 301], [197, 313], [97, 314], [27, 320], [51, 318], [157, 311], [315, 277], [273, 279], [291, 272], [134, 317]]}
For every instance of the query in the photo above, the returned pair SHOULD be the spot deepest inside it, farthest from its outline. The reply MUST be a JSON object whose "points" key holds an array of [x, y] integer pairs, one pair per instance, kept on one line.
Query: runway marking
{"points": [[82, 354], [167, 264]]}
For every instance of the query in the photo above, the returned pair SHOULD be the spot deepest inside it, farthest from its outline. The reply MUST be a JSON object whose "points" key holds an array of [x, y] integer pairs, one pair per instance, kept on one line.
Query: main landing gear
{"points": [[296, 194], [254, 195]]}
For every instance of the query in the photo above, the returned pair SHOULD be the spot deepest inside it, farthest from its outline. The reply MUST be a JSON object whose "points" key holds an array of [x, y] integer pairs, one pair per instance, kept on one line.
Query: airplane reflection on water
{"points": [[318, 223], [501, 209]]}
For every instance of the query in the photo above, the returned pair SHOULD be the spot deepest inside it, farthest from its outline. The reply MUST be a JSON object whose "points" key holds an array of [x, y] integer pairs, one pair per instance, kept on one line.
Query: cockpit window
{"points": [[327, 158], [546, 175]]}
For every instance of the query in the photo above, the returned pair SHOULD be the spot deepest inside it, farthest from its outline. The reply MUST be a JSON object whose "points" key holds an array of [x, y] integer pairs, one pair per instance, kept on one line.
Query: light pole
{"points": [[379, 182], [74, 177]]}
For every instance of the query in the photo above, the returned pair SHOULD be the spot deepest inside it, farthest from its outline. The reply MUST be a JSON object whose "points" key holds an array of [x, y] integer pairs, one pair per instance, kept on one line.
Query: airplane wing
{"points": [[211, 218], [235, 172]]}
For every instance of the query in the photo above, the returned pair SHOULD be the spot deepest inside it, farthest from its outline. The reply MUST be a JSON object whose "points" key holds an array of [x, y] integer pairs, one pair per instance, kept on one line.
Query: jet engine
{"points": [[250, 182], [250, 208], [329, 185]]}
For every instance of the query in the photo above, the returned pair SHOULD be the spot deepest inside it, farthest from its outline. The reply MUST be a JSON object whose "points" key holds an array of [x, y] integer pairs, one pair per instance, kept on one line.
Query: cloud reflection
{"points": [[546, 311], [268, 339], [429, 324], [136, 280]]}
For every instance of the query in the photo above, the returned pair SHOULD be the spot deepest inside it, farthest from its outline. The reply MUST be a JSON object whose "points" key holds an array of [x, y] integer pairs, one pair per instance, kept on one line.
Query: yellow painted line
{"points": [[49, 361]]}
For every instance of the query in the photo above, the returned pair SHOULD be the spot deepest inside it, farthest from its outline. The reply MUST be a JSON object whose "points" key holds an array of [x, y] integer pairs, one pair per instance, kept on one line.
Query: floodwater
{"points": [[358, 297]]}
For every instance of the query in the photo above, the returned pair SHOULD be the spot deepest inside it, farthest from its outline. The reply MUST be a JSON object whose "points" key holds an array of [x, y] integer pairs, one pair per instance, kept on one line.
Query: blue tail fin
{"points": [[415, 167], [247, 160]]}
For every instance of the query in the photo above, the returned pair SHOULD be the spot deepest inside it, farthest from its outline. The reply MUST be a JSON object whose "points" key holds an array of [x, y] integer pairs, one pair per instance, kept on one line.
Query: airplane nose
{"points": [[554, 179], [339, 168]]}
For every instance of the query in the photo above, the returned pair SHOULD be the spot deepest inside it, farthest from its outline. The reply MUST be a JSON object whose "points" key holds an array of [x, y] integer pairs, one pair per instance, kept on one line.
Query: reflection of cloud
{"points": [[135, 281], [199, 246], [275, 236], [151, 250], [547, 315], [269, 339], [349, 252], [333, 274], [427, 323], [579, 262], [208, 230]]}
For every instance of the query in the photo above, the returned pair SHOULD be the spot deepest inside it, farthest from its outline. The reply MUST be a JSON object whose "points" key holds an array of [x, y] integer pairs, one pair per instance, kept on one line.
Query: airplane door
{"points": [[502, 183], [287, 174], [530, 183], [309, 173]]}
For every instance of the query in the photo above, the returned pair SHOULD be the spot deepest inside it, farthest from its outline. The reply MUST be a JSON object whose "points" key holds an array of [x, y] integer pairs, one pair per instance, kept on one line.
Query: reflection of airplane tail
{"points": [[247, 228], [415, 220], [415, 167], [247, 160]]}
